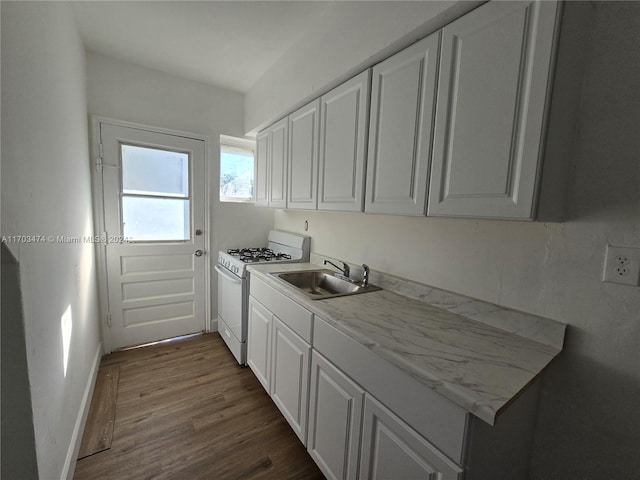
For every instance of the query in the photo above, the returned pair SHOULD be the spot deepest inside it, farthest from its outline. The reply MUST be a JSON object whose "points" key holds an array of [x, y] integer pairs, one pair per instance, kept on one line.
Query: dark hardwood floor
{"points": [[186, 410]]}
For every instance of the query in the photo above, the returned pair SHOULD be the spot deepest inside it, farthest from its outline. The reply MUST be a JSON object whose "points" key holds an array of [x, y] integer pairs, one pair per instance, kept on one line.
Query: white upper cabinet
{"points": [[278, 163], [261, 184], [343, 131], [495, 69], [402, 106], [304, 127]]}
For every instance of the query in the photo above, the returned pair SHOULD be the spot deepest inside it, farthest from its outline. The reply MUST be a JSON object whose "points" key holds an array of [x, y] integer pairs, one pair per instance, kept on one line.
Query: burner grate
{"points": [[252, 255]]}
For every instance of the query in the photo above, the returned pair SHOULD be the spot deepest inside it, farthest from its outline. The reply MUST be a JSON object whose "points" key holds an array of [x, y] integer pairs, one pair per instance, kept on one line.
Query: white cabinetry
{"points": [[495, 70], [278, 164], [343, 130], [271, 166], [279, 352], [259, 342], [261, 183], [391, 449], [335, 418], [458, 125], [303, 157], [362, 417], [402, 106], [290, 376]]}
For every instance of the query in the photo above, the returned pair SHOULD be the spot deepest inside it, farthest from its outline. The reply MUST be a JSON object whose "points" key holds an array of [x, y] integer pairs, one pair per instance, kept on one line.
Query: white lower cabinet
{"points": [[361, 417], [290, 376], [391, 449], [279, 352], [335, 418], [259, 342]]}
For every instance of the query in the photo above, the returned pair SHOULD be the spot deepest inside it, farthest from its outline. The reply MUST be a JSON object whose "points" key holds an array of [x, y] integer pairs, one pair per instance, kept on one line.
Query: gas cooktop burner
{"points": [[250, 255]]}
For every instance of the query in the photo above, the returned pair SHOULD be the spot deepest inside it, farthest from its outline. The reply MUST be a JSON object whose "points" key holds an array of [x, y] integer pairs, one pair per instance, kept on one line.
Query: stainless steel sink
{"points": [[320, 284]]}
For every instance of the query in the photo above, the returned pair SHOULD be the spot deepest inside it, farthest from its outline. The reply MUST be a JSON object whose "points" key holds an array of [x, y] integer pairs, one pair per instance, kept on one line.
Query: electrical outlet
{"points": [[622, 265]]}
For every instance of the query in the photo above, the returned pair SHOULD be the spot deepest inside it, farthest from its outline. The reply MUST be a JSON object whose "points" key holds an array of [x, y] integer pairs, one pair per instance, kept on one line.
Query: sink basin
{"points": [[319, 284]]}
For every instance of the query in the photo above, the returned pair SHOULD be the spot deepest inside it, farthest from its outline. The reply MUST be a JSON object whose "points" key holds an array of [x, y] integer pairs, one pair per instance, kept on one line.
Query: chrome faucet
{"points": [[345, 271], [365, 275]]}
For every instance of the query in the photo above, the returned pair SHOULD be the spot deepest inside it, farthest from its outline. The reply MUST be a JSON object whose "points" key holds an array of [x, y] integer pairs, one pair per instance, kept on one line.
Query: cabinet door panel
{"points": [[402, 107], [344, 116], [278, 164], [259, 342], [335, 417], [303, 157], [392, 449], [261, 184], [495, 69], [290, 377]]}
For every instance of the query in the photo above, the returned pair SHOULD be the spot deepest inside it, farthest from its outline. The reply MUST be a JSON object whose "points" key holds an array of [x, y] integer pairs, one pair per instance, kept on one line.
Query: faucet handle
{"points": [[365, 274], [345, 269]]}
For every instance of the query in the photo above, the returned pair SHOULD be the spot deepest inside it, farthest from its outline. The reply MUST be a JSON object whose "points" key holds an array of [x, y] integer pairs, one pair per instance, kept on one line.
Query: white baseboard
{"points": [[214, 325], [81, 420]]}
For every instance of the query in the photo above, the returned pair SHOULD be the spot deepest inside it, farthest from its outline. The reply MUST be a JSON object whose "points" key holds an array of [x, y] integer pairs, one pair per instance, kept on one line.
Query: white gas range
{"points": [[233, 285]]}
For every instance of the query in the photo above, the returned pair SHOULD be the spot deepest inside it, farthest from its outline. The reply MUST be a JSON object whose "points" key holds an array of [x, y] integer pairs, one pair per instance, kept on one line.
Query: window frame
{"points": [[244, 144]]}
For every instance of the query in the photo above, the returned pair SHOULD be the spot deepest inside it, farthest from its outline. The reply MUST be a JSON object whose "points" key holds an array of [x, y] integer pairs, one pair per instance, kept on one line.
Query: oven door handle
{"points": [[227, 275]]}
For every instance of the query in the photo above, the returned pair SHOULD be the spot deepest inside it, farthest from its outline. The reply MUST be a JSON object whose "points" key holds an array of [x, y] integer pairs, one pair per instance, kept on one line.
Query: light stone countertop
{"points": [[477, 366]]}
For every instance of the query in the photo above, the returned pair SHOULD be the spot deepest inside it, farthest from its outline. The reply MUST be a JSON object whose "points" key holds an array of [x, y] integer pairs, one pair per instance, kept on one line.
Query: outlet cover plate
{"points": [[622, 265]]}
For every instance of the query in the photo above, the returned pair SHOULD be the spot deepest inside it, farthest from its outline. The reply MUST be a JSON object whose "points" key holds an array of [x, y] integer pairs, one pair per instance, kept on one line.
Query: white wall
{"points": [[350, 37], [129, 92], [46, 191], [589, 423]]}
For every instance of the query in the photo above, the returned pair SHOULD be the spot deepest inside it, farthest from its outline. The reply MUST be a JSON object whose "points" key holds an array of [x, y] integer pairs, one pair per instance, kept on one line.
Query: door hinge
{"points": [[108, 319], [99, 159]]}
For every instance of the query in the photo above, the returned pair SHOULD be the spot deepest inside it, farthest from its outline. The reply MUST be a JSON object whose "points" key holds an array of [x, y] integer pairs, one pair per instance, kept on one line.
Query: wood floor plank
{"points": [[98, 432], [187, 410]]}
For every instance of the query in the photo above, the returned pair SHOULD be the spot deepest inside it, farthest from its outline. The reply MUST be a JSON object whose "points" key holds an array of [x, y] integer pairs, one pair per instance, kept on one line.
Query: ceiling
{"points": [[225, 43]]}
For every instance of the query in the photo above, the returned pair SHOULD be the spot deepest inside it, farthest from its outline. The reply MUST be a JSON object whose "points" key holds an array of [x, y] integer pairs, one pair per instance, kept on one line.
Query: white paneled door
{"points": [[153, 187]]}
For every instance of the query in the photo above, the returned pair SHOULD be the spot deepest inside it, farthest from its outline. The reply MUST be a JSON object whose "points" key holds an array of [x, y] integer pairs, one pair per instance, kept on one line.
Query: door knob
{"points": [[198, 231], [198, 253]]}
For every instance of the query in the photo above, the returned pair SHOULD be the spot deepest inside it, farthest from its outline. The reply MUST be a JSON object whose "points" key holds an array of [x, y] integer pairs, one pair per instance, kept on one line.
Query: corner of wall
{"points": [[19, 446]]}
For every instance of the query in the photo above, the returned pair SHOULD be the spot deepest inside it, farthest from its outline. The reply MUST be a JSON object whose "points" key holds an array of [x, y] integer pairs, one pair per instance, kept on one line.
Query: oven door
{"points": [[232, 311]]}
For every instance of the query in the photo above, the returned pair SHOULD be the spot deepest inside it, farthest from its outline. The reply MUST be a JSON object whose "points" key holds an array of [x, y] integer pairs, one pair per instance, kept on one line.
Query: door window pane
{"points": [[149, 219], [151, 171], [155, 194]]}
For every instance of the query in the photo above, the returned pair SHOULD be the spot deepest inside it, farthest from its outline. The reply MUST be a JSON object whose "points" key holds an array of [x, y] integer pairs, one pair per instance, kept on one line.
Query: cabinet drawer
{"points": [[429, 413], [297, 318]]}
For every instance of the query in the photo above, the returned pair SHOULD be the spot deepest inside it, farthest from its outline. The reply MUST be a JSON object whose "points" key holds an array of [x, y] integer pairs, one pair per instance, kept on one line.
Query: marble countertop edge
{"points": [[504, 372]]}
